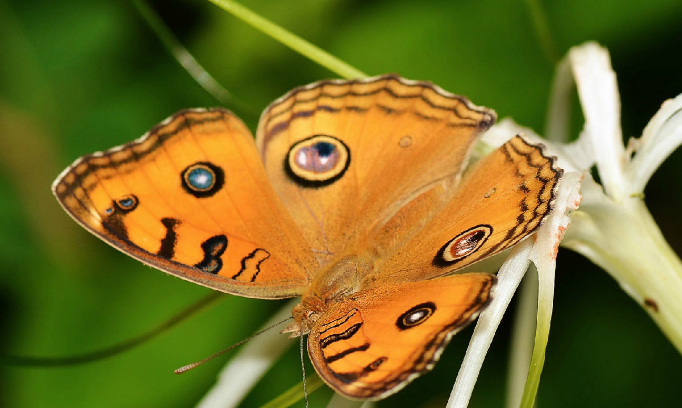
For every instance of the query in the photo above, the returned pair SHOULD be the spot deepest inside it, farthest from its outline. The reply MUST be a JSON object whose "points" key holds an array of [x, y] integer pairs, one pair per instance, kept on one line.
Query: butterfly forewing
{"points": [[192, 198], [347, 155]]}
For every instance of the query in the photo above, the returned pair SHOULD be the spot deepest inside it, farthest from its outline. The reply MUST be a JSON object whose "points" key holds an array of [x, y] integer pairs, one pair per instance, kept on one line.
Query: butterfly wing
{"points": [[191, 198], [502, 200], [374, 342], [347, 155]]}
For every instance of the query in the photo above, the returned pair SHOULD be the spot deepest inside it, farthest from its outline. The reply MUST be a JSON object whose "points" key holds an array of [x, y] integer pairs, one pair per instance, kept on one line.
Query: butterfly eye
{"points": [[127, 203], [202, 179], [317, 161], [464, 244], [415, 316]]}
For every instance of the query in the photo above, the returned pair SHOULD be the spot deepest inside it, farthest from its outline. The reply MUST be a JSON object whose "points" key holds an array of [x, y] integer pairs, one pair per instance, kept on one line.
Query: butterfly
{"points": [[357, 196]]}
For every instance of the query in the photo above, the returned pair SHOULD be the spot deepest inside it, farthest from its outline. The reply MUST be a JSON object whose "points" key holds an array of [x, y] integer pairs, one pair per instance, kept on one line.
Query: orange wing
{"points": [[191, 198], [374, 342], [502, 200], [345, 156]]}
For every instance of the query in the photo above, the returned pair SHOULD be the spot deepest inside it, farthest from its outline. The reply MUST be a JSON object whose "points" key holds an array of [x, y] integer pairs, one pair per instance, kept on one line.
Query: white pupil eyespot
{"points": [[318, 158], [416, 316], [302, 159], [466, 245], [201, 179]]}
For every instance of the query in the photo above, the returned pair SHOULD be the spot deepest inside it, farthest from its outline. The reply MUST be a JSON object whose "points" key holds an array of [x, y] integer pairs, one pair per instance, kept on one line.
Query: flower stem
{"points": [[289, 39]]}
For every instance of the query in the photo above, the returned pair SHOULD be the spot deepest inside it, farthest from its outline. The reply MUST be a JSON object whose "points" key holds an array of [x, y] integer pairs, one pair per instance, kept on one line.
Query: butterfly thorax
{"points": [[337, 282]]}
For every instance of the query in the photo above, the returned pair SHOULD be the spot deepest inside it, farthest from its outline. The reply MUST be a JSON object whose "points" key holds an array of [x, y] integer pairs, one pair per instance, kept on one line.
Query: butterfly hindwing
{"points": [[192, 198], [377, 340], [503, 199]]}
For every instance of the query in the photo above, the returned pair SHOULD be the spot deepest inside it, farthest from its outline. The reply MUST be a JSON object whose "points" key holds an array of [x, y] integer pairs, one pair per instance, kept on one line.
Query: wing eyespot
{"points": [[463, 245], [415, 315], [126, 204], [317, 161], [202, 179]]}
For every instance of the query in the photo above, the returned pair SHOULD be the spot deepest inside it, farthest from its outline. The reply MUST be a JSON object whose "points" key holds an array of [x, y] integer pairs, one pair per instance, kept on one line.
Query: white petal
{"points": [[552, 231], [559, 112], [660, 138], [600, 101], [508, 279], [623, 239], [502, 131], [544, 255]]}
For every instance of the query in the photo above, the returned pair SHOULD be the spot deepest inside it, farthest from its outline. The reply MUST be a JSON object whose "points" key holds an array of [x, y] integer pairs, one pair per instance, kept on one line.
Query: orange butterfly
{"points": [[353, 196]]}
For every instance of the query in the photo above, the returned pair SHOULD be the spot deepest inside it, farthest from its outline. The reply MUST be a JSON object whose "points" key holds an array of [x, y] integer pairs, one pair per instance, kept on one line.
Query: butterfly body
{"points": [[354, 197]]}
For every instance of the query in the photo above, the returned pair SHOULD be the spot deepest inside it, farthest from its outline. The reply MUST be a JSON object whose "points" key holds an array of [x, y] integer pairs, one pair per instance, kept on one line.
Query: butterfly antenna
{"points": [[305, 383], [31, 361], [188, 367]]}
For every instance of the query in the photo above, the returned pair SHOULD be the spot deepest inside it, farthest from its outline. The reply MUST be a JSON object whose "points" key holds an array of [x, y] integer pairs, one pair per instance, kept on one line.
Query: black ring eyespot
{"points": [[415, 316], [317, 161], [202, 179], [126, 204], [463, 245]]}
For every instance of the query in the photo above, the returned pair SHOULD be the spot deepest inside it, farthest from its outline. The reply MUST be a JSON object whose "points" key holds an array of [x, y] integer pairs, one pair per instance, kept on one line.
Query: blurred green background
{"points": [[77, 76]]}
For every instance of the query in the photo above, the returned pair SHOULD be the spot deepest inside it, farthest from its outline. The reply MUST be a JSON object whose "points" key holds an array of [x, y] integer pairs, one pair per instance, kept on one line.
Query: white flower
{"points": [[612, 227]]}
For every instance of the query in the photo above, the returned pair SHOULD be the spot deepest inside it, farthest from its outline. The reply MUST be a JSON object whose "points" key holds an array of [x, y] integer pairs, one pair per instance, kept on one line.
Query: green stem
{"points": [[287, 38], [295, 393], [186, 60], [89, 357], [542, 30]]}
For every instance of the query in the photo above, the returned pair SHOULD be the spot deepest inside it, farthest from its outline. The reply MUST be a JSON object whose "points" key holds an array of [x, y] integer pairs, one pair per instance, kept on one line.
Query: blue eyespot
{"points": [[126, 204], [202, 179]]}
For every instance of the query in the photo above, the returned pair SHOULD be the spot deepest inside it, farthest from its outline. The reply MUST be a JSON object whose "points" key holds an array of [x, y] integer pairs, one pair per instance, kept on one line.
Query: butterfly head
{"points": [[336, 283], [304, 318]]}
